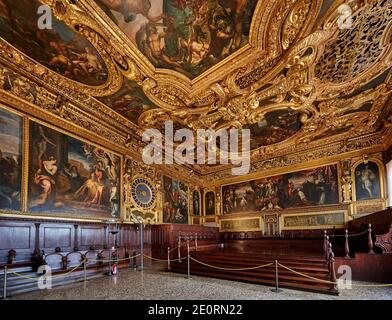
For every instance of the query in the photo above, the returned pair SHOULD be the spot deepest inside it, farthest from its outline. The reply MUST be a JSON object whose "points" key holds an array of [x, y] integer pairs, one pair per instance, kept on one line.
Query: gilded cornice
{"points": [[284, 67]]}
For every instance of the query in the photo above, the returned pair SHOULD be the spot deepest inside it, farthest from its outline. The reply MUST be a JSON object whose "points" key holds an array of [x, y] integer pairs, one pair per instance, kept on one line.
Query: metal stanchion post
{"points": [[276, 290], [196, 242], [142, 246], [168, 258], [189, 260], [5, 284], [134, 260], [179, 249], [85, 272]]}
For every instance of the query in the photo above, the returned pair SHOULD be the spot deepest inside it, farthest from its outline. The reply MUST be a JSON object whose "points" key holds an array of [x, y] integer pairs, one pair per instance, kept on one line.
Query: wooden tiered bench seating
{"points": [[21, 276], [243, 255]]}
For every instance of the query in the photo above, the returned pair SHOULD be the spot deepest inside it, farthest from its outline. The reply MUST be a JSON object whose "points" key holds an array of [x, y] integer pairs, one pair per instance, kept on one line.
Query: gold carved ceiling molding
{"points": [[300, 160], [36, 100], [290, 63]]}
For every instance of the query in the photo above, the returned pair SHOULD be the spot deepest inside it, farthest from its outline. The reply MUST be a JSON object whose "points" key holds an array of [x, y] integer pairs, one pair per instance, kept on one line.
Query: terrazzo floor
{"points": [[153, 284]]}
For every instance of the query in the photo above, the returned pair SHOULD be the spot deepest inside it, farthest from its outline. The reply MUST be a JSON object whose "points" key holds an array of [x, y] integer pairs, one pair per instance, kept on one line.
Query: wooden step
{"points": [[259, 273], [313, 266], [312, 287]]}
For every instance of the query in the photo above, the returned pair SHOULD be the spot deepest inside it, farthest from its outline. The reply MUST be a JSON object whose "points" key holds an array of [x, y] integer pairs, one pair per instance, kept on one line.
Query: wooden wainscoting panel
{"points": [[56, 235]]}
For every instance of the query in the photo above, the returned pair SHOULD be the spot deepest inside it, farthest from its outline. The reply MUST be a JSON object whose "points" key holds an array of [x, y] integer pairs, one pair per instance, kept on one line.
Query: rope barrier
{"points": [[165, 260], [305, 275], [115, 260], [334, 283], [350, 235], [210, 266], [232, 269], [57, 276]]}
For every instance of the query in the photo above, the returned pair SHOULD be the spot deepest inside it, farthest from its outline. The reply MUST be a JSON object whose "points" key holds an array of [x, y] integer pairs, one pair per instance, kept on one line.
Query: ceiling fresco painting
{"points": [[292, 76], [189, 36], [277, 126], [130, 101], [60, 49]]}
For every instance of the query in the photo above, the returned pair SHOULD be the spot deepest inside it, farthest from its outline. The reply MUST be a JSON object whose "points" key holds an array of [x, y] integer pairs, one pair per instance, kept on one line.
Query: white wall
{"points": [[389, 182]]}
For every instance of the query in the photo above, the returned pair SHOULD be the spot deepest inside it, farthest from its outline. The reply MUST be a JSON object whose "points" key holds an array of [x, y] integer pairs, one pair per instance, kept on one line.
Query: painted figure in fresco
{"points": [[9, 174], [210, 203], [130, 101], [175, 209], [69, 175], [189, 35], [196, 203], [88, 63], [130, 8], [45, 178], [92, 190], [60, 48], [310, 187], [367, 181], [10, 160], [41, 143]]}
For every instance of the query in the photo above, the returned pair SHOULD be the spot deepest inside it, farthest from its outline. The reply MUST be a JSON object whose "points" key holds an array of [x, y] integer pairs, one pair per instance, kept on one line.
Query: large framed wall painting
{"points": [[175, 201], [70, 176], [313, 187], [11, 145], [367, 181]]}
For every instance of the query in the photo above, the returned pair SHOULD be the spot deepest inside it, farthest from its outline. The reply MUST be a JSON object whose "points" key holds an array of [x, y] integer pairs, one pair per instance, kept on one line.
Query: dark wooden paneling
{"points": [[25, 235], [91, 236], [368, 267], [17, 236], [166, 235], [56, 235]]}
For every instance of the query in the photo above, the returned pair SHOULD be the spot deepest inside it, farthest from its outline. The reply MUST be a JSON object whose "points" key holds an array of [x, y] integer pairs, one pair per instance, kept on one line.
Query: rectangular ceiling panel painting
{"points": [[189, 36]]}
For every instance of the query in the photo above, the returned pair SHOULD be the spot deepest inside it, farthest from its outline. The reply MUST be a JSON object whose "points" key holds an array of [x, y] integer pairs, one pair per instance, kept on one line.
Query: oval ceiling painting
{"points": [[60, 48], [189, 36]]}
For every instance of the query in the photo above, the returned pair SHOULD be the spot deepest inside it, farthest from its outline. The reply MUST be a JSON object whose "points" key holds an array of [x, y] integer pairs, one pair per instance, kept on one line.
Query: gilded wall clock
{"points": [[143, 193]]}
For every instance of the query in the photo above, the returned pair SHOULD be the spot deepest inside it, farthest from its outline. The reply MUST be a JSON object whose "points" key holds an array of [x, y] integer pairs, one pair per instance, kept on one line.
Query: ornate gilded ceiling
{"points": [[298, 73]]}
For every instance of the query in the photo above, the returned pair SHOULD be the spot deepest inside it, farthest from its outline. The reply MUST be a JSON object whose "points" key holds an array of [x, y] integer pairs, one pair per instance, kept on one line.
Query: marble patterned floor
{"points": [[153, 284]]}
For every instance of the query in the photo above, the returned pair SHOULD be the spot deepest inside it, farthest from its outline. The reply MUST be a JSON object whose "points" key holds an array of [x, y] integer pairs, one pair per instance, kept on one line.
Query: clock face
{"points": [[143, 193]]}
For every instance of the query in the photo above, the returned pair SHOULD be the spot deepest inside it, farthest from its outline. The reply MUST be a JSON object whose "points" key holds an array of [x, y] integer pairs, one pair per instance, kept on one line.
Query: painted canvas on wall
{"points": [[11, 127], [314, 220], [186, 35], [312, 187], [367, 181], [196, 203], [60, 49], [210, 203], [67, 175], [175, 201]]}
